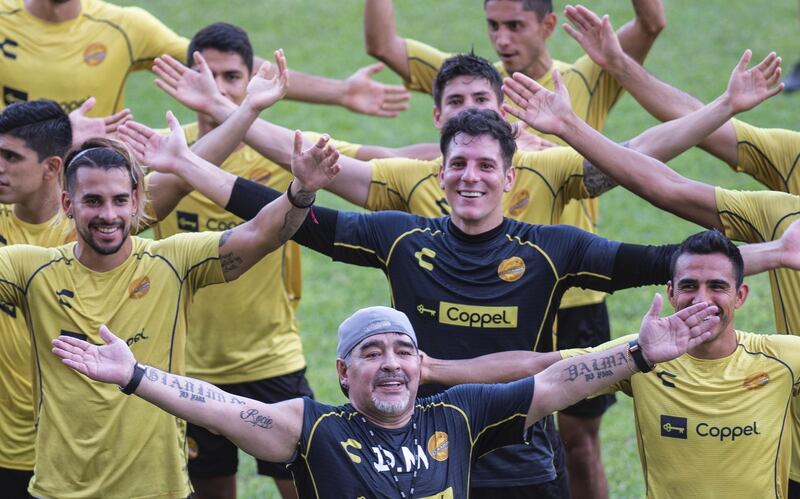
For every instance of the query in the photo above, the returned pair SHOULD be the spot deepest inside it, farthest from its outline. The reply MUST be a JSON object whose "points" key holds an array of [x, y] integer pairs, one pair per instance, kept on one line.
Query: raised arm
{"points": [[266, 431], [381, 37], [660, 340], [780, 253], [646, 176], [244, 245], [637, 37], [500, 367]]}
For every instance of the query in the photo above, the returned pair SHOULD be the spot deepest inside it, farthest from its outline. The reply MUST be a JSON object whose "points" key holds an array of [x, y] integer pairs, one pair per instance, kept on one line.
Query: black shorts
{"points": [[794, 490], [213, 455], [14, 483], [581, 327]]}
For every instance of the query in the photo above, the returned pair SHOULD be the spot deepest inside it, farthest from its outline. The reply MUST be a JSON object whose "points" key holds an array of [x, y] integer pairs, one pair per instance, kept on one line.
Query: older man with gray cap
{"points": [[384, 442]]}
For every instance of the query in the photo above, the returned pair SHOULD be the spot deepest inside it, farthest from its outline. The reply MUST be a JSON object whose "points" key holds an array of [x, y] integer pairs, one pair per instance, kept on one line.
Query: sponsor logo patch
{"points": [[457, 314], [511, 269], [519, 203], [438, 446], [139, 287], [95, 54], [673, 427], [188, 221], [756, 381]]}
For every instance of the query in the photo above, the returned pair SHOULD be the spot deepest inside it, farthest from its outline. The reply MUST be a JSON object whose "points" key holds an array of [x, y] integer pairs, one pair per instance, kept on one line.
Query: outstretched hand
{"points": [[159, 152], [109, 363], [749, 87], [84, 127], [367, 96], [665, 338], [540, 108], [527, 141], [315, 167], [193, 87], [263, 91], [594, 34], [790, 246]]}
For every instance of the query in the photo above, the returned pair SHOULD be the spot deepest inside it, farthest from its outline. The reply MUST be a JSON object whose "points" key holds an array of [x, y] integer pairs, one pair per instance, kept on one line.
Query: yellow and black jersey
{"points": [[721, 427], [17, 431], [341, 454], [82, 424], [89, 56], [756, 217], [546, 181], [770, 155]]}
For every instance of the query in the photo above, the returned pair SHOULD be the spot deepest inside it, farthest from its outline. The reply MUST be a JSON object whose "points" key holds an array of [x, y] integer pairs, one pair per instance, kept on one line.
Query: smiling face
{"points": [[474, 178], [708, 278], [382, 375], [518, 36], [103, 202]]}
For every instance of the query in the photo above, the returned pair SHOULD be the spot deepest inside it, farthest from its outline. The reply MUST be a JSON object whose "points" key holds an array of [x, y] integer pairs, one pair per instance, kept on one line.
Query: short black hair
{"points": [[541, 7], [42, 124], [710, 242], [466, 65], [224, 37], [477, 122]]}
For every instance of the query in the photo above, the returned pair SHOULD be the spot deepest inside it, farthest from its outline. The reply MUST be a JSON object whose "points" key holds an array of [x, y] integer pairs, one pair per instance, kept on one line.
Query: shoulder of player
{"points": [[768, 343], [409, 165], [770, 203], [9, 7], [174, 243], [116, 13]]}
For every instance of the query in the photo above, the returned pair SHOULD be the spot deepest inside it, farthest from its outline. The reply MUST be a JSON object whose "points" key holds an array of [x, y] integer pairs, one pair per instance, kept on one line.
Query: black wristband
{"points": [[294, 201], [638, 357], [133, 384]]}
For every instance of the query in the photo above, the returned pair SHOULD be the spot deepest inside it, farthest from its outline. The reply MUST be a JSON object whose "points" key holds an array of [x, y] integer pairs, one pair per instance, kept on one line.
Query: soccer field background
{"points": [[696, 51]]}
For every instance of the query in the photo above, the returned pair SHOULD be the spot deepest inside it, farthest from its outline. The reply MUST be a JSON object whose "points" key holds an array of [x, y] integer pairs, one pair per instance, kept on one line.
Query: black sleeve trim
{"points": [[248, 197], [637, 265]]}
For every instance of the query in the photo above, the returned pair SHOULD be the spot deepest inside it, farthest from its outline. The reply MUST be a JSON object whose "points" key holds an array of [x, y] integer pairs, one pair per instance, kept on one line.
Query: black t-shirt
{"points": [[341, 454]]}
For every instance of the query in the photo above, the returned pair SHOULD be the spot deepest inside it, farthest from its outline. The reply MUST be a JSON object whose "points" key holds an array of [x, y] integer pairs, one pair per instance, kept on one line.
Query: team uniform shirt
{"points": [[592, 91], [89, 56], [17, 432], [770, 155], [546, 182], [721, 427], [93, 441], [756, 217], [469, 296], [341, 454]]}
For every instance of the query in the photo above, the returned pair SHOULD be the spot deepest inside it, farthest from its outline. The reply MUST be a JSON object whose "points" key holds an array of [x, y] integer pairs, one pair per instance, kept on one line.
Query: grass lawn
{"points": [[702, 42]]}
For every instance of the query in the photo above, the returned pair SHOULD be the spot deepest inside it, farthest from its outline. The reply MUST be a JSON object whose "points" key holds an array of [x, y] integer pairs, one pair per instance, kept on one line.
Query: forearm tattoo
{"points": [[191, 389], [229, 261], [295, 216], [596, 182], [597, 368], [254, 418]]}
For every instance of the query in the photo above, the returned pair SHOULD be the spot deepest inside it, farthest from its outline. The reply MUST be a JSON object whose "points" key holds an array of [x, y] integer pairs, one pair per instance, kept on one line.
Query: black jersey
{"points": [[341, 454]]}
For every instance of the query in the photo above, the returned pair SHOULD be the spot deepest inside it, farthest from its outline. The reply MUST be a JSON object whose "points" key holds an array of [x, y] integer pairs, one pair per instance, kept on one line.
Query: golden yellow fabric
{"points": [[770, 155]]}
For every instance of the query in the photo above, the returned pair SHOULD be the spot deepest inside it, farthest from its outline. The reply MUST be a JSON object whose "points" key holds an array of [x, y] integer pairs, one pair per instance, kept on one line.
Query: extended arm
{"points": [[637, 37], [781, 253], [644, 175], [660, 339], [381, 37], [501, 367], [266, 431]]}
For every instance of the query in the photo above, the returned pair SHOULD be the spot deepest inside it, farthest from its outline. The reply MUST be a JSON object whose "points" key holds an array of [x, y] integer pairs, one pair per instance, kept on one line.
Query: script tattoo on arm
{"points": [[253, 418], [596, 182], [598, 368], [229, 261], [295, 216], [191, 389]]}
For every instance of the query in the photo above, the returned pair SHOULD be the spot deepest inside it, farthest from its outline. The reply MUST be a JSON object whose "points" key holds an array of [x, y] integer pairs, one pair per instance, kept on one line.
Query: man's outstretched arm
{"points": [[266, 431], [381, 37], [660, 339], [646, 176], [637, 37], [500, 367]]}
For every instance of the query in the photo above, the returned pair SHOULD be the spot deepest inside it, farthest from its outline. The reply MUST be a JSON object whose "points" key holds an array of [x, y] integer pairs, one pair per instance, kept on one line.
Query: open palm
{"points": [[109, 363]]}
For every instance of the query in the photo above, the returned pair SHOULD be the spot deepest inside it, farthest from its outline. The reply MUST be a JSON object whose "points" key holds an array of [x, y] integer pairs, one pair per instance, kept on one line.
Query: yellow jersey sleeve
{"points": [[770, 155], [89, 56], [424, 62], [408, 185]]}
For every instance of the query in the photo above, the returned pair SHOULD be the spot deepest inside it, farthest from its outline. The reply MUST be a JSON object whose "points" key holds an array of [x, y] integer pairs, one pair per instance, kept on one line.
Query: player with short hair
{"points": [[107, 42], [385, 442], [142, 286]]}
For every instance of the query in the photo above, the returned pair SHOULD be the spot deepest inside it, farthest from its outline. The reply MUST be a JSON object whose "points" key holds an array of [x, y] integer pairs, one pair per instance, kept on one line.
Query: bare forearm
{"points": [[761, 257], [315, 89], [426, 151], [381, 37], [206, 178], [501, 367], [165, 192], [219, 143]]}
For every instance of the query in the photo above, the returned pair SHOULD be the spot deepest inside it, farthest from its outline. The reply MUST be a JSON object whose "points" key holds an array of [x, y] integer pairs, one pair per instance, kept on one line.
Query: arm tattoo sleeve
{"points": [[596, 182]]}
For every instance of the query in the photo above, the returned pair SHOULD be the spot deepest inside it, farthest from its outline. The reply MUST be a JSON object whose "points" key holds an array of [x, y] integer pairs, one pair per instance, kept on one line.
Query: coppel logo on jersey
{"points": [[673, 427]]}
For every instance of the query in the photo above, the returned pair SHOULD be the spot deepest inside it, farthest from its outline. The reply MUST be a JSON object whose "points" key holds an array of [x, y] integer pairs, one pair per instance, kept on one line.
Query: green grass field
{"points": [[702, 42]]}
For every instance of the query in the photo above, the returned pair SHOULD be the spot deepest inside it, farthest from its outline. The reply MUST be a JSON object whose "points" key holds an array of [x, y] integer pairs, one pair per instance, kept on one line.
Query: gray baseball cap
{"points": [[369, 322]]}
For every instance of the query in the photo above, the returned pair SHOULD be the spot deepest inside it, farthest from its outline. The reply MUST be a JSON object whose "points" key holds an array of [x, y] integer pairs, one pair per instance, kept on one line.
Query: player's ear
{"points": [[549, 24], [741, 294], [52, 168]]}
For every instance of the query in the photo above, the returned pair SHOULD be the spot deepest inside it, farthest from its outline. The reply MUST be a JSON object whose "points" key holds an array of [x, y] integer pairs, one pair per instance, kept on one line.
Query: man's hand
{"points": [[665, 338], [263, 91], [315, 167], [194, 88], [527, 141], [595, 35], [747, 88], [789, 249], [159, 152], [109, 363], [84, 128], [540, 108], [367, 96]]}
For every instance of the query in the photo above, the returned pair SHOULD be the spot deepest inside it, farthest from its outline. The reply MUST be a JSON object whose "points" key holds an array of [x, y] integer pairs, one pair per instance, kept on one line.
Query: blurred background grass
{"points": [[696, 51]]}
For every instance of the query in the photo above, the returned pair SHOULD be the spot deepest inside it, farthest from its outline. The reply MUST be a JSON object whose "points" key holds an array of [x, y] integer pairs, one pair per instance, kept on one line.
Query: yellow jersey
{"points": [[546, 181], [93, 441], [721, 427], [759, 216], [89, 56], [770, 155], [17, 431]]}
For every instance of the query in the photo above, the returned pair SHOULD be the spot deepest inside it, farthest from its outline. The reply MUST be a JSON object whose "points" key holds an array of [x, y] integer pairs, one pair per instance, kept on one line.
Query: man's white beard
{"points": [[391, 408]]}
